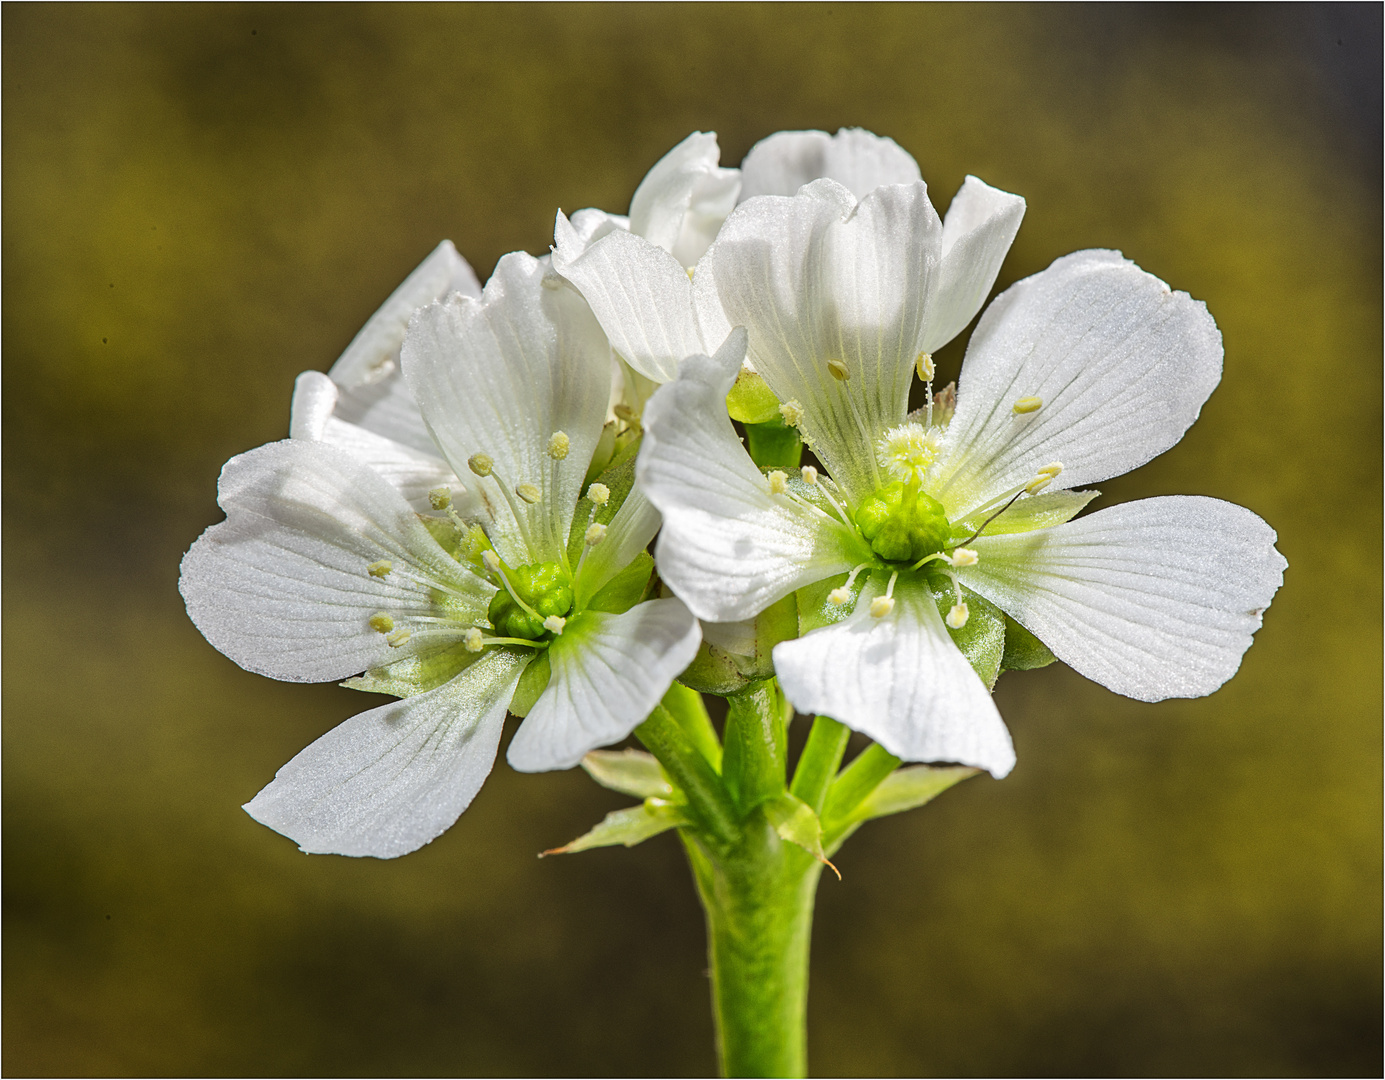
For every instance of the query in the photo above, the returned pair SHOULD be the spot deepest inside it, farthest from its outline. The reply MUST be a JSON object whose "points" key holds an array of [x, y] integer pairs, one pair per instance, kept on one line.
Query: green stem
{"points": [[686, 707], [856, 781], [753, 763], [819, 761], [758, 899], [693, 774]]}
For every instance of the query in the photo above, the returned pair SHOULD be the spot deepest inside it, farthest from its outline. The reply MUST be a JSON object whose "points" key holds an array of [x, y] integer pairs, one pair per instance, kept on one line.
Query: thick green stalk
{"points": [[758, 898], [687, 707], [708, 802], [753, 763]]}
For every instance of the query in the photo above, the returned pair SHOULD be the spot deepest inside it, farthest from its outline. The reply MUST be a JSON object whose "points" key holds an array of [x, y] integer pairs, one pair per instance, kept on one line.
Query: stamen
{"points": [[596, 532], [380, 569], [554, 624], [480, 464], [558, 445], [440, 498], [810, 475], [883, 605], [1053, 468], [778, 482], [398, 638], [792, 412], [528, 492], [599, 494], [842, 593], [957, 617], [471, 640], [490, 560], [1028, 405], [381, 623], [924, 366], [1038, 484], [963, 557], [838, 370]]}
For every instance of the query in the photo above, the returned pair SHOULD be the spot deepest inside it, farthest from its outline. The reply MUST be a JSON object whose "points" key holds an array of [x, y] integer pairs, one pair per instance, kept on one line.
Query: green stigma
{"points": [[902, 523], [544, 587]]}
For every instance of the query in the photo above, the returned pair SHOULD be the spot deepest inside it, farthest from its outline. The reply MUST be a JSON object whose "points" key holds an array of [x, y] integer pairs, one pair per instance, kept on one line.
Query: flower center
{"points": [[902, 523], [543, 587]]}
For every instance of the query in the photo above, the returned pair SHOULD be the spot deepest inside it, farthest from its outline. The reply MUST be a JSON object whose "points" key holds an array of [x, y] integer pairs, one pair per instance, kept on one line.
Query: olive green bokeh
{"points": [[200, 202]]}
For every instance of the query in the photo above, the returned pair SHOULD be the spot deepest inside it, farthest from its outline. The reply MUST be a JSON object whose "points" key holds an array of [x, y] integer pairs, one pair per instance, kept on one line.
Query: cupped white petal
{"points": [[390, 780], [900, 680], [1153, 599], [1121, 364], [374, 352], [627, 534], [590, 225], [639, 293], [283, 586], [857, 159], [729, 546], [818, 279], [608, 673], [978, 230], [413, 472], [499, 376], [683, 200]]}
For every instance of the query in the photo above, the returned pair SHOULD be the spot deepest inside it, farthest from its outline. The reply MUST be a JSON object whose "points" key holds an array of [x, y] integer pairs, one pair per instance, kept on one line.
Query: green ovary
{"points": [[902, 523], [544, 587]]}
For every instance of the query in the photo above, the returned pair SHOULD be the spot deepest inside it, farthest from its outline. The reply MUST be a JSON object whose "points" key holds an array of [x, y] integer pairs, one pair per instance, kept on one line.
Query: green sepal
{"points": [[774, 444], [751, 401], [714, 671], [626, 589], [903, 789], [1029, 512], [631, 772], [449, 537], [630, 826], [796, 822], [814, 610], [776, 623], [414, 674], [982, 639], [1023, 651], [619, 477], [601, 456], [532, 683]]}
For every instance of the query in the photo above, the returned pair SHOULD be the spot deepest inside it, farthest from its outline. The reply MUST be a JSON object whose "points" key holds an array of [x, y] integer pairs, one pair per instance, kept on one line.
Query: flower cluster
{"points": [[461, 515]]}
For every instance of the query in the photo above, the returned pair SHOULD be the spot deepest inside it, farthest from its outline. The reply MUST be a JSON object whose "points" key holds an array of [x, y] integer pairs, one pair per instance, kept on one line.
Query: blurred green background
{"points": [[200, 202]]}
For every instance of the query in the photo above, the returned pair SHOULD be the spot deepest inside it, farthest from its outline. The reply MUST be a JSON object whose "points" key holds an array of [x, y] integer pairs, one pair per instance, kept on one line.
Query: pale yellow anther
{"points": [[381, 623], [690, 272], [596, 532], [624, 412], [778, 482], [491, 561], [380, 568], [840, 595], [558, 445], [528, 492], [480, 464], [957, 617], [963, 557], [1038, 484], [440, 498], [1028, 405], [1053, 468], [809, 474], [554, 624], [398, 638], [792, 412], [599, 494], [471, 640], [838, 370], [881, 606], [924, 366]]}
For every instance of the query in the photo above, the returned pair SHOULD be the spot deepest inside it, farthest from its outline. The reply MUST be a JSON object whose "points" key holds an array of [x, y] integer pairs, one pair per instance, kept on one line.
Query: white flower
{"points": [[840, 301], [323, 570], [655, 315]]}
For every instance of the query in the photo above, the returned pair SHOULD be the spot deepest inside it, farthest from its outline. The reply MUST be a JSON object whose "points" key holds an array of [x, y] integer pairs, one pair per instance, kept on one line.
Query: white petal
{"points": [[609, 671], [728, 547], [1121, 363], [683, 200], [388, 781], [1153, 599], [375, 349], [591, 225], [900, 680], [855, 158], [281, 586], [818, 277], [639, 293], [627, 534], [978, 230], [500, 375], [387, 408]]}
